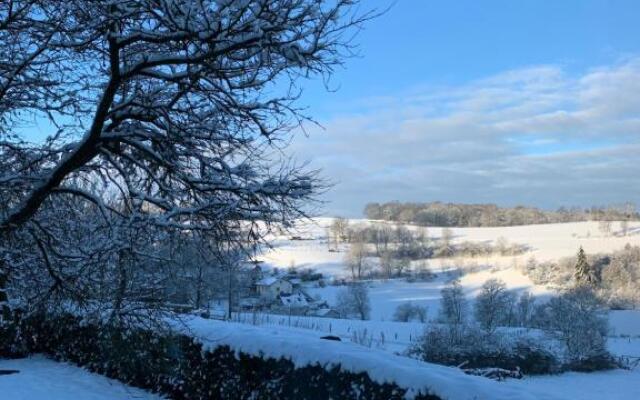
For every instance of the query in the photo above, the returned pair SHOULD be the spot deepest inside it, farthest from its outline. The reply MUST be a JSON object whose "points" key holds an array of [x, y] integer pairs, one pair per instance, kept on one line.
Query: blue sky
{"points": [[439, 42], [511, 102]]}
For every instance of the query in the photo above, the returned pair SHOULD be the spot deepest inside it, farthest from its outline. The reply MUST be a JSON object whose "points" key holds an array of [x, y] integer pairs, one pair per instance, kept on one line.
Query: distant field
{"points": [[545, 242]]}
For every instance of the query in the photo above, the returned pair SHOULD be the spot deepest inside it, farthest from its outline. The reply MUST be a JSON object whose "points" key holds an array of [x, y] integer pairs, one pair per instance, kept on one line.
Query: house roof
{"points": [[294, 300], [268, 281]]}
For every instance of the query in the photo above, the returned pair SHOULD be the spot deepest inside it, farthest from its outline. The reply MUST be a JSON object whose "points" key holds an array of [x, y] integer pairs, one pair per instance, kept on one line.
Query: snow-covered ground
{"points": [[625, 323], [545, 242], [385, 296], [298, 338], [43, 379], [609, 385]]}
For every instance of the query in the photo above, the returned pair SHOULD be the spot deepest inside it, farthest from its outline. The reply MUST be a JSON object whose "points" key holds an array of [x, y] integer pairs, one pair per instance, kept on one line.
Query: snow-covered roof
{"points": [[294, 300], [268, 281]]}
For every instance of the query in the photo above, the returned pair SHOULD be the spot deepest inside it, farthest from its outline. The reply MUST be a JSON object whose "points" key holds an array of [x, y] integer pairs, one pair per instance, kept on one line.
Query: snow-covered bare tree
{"points": [[386, 264], [355, 260], [445, 248], [161, 116], [493, 305], [579, 320], [354, 301], [525, 308], [453, 304], [604, 226], [339, 227]]}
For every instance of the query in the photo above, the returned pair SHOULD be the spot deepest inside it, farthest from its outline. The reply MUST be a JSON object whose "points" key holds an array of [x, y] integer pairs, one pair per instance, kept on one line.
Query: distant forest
{"points": [[474, 215]]}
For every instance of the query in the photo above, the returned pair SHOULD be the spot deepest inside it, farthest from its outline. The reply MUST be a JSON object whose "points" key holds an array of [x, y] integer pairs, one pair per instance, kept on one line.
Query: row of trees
{"points": [[451, 214], [576, 317], [614, 277], [385, 251]]}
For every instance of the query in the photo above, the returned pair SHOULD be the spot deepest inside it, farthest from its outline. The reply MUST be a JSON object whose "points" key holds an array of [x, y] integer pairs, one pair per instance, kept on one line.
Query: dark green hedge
{"points": [[177, 366]]}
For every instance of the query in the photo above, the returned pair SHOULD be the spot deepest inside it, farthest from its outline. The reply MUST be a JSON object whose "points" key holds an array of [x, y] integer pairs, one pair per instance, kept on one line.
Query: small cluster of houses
{"points": [[284, 293]]}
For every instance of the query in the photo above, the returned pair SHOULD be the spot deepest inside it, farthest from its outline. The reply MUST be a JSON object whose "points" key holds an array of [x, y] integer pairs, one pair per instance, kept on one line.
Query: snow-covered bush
{"points": [[178, 367], [422, 272], [620, 285], [472, 348], [578, 320], [408, 311], [558, 273]]}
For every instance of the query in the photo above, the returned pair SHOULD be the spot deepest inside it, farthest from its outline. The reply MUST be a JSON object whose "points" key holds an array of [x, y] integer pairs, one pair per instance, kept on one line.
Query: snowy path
{"points": [[43, 379]]}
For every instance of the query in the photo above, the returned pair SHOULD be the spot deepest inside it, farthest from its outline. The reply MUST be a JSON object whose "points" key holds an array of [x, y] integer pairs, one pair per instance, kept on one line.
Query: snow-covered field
{"points": [[298, 338], [43, 379], [545, 242]]}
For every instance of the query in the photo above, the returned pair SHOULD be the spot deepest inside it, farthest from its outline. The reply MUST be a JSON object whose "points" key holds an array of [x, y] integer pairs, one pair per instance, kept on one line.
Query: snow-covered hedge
{"points": [[469, 347], [178, 366]]}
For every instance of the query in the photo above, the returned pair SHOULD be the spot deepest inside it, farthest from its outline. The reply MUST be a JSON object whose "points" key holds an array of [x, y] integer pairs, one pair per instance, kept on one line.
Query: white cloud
{"points": [[539, 136]]}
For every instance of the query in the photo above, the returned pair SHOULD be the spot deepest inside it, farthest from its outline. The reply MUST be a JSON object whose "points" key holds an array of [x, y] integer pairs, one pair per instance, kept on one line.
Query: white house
{"points": [[272, 287]]}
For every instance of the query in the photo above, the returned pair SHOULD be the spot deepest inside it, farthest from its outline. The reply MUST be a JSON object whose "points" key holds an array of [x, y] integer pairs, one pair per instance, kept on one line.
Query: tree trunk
{"points": [[5, 312], [116, 313], [229, 293]]}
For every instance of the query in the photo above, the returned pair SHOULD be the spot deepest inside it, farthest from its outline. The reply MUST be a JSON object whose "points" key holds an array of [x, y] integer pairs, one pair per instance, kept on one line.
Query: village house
{"points": [[295, 300], [272, 287]]}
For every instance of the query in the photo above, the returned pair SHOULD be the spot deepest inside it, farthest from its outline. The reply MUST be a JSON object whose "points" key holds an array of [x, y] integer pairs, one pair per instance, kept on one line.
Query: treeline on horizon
{"points": [[481, 215]]}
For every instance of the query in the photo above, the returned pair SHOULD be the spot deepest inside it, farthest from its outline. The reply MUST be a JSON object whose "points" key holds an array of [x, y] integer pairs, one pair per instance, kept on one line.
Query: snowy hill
{"points": [[544, 242]]}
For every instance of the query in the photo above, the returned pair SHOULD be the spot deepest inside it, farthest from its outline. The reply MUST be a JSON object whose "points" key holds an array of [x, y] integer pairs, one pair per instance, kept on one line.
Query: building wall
{"points": [[271, 292]]}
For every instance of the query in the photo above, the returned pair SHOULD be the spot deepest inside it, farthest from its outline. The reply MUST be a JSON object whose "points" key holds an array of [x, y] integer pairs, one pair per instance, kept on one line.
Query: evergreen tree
{"points": [[585, 273]]}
